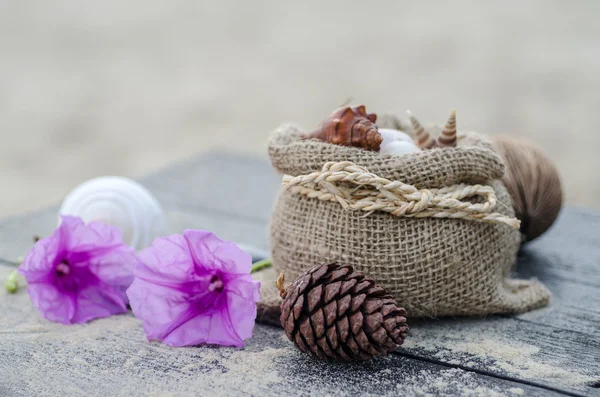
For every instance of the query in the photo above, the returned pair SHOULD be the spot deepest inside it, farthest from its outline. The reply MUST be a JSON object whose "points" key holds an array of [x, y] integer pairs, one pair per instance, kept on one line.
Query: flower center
{"points": [[63, 268], [215, 284]]}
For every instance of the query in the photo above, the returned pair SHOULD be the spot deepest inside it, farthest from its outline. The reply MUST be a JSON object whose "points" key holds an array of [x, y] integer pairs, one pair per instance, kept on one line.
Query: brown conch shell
{"points": [[349, 126], [423, 139], [448, 135]]}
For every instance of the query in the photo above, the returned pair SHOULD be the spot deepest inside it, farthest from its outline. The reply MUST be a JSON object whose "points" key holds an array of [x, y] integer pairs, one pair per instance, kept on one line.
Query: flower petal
{"points": [[244, 286], [242, 311], [167, 259], [39, 261], [212, 253], [157, 306], [115, 268], [229, 323], [53, 304], [96, 268], [88, 239], [195, 289], [98, 301]]}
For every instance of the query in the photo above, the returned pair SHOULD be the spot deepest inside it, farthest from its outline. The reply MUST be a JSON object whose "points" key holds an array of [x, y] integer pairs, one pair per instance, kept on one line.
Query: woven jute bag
{"points": [[434, 263]]}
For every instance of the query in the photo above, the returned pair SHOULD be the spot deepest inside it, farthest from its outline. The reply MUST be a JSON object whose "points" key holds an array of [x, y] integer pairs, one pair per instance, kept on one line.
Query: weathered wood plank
{"points": [[112, 357], [509, 347], [230, 184], [570, 251], [560, 344]]}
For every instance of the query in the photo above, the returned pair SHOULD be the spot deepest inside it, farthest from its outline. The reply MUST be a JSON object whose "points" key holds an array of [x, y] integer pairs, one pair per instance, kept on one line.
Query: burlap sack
{"points": [[433, 267]]}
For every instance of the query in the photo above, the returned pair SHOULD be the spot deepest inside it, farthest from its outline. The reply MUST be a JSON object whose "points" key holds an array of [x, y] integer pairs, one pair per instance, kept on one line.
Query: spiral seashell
{"points": [[390, 135], [448, 135], [398, 148], [120, 202], [533, 183], [349, 126], [396, 142], [424, 139]]}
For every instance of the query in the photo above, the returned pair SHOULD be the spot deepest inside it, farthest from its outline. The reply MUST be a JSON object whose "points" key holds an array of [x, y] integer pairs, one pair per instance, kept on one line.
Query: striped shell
{"points": [[423, 138], [448, 136]]}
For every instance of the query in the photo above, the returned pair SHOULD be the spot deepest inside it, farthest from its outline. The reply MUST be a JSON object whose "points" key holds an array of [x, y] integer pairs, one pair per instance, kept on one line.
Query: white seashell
{"points": [[396, 142], [120, 202], [398, 148], [390, 135]]}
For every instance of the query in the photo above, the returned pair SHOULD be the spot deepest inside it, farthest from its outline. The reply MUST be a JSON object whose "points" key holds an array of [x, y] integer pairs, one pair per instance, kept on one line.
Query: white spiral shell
{"points": [[390, 135], [396, 142], [120, 202]]}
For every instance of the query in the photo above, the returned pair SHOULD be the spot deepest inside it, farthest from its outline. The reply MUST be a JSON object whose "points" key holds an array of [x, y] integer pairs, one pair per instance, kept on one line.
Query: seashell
{"points": [[390, 135], [396, 142], [349, 126], [120, 202], [533, 183], [448, 135], [424, 139], [398, 148]]}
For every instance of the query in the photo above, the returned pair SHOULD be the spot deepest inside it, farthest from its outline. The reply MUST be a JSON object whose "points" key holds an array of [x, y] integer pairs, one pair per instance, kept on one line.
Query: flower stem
{"points": [[261, 265], [12, 284]]}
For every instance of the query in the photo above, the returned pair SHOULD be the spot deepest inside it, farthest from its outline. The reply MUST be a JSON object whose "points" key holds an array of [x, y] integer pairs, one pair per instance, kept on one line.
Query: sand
{"points": [[495, 349]]}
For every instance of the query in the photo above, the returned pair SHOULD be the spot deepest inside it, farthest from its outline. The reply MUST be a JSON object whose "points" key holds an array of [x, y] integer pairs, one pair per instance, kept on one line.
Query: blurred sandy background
{"points": [[91, 88]]}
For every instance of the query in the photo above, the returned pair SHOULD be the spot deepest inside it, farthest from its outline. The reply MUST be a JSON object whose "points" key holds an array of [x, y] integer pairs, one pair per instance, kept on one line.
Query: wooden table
{"points": [[547, 352]]}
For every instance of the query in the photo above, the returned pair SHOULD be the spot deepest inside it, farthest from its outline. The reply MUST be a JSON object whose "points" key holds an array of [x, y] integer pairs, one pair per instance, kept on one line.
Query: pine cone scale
{"points": [[314, 297], [288, 326], [356, 322], [307, 332], [325, 346], [357, 301], [342, 354], [332, 337], [361, 286], [318, 273], [373, 322], [332, 290], [344, 305], [347, 285], [334, 312], [343, 328], [318, 323], [353, 346], [330, 313], [337, 274], [298, 307], [387, 309], [373, 305], [379, 336]]}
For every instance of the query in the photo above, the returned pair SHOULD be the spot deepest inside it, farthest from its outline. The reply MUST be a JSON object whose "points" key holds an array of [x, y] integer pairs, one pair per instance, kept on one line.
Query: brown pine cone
{"points": [[334, 312]]}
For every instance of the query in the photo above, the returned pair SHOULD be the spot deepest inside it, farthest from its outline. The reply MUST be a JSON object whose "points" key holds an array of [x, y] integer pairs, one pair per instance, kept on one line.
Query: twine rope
{"points": [[354, 187]]}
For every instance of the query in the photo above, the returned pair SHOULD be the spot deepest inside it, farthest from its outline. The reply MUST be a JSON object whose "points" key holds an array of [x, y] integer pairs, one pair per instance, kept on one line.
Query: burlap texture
{"points": [[432, 267]]}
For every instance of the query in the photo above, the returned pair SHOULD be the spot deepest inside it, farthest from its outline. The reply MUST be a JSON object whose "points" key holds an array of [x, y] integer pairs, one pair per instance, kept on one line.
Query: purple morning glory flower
{"points": [[80, 272], [195, 289]]}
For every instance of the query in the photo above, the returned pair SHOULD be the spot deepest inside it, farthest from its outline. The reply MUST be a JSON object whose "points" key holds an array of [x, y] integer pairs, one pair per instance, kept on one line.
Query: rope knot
{"points": [[354, 187]]}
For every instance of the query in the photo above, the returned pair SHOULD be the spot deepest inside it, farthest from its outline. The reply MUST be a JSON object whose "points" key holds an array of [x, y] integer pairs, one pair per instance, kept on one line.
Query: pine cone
{"points": [[334, 312]]}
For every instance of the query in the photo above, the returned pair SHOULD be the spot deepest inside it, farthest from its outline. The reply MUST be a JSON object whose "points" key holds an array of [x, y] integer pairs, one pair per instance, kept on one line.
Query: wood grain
{"points": [[111, 357], [556, 348]]}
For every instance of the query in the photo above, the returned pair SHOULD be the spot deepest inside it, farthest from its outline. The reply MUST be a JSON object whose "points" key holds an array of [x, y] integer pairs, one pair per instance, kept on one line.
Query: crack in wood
{"points": [[488, 373]]}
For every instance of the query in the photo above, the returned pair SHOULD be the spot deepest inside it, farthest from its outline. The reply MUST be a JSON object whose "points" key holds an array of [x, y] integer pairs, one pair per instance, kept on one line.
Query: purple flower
{"points": [[194, 289], [79, 273]]}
